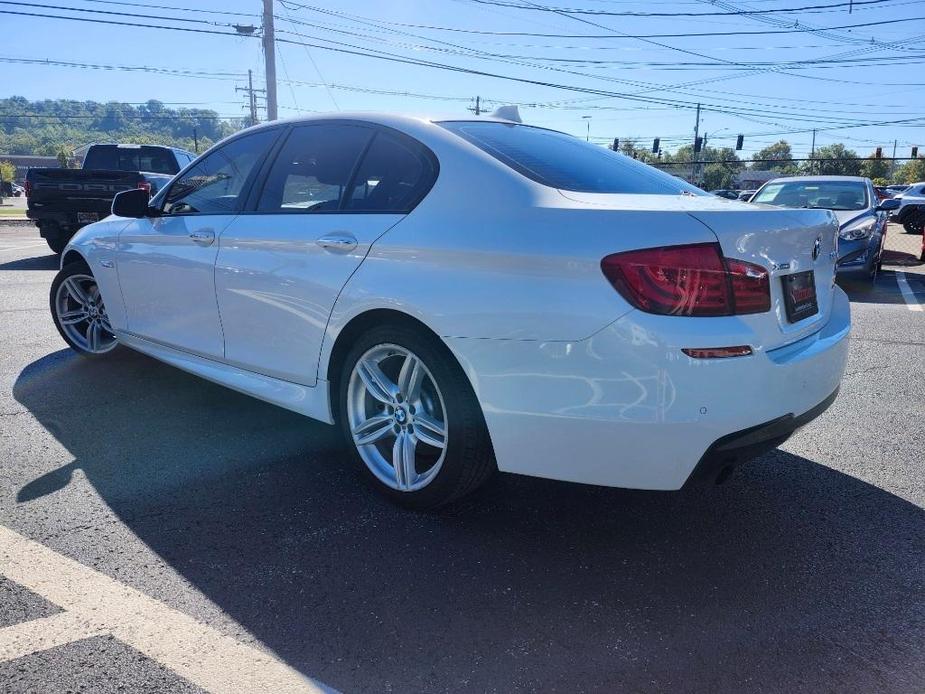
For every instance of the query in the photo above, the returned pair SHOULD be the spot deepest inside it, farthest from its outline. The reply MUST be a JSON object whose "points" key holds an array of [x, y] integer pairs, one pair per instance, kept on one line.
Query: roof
{"points": [[803, 179]]}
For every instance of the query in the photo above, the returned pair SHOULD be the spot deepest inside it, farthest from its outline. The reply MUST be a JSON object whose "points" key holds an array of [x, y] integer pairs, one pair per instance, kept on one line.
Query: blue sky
{"points": [[663, 76]]}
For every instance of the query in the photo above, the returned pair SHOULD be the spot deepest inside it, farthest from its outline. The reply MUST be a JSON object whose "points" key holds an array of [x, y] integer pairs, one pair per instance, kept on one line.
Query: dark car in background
{"points": [[726, 193], [862, 217], [61, 201]]}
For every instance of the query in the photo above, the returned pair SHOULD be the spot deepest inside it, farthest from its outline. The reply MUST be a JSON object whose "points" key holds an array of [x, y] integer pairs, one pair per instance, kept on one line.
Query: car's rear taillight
{"points": [[691, 280], [28, 188], [144, 185]]}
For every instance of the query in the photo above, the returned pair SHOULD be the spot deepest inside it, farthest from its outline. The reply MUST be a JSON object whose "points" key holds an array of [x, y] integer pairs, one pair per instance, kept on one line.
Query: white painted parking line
{"points": [[20, 248], [96, 603], [911, 301], [49, 632]]}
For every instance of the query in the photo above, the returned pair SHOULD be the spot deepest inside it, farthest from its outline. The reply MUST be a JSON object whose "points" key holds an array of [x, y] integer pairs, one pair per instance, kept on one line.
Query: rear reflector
{"points": [[717, 352], [690, 280]]}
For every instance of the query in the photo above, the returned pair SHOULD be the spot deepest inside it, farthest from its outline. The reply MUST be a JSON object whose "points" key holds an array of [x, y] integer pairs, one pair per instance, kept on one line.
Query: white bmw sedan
{"points": [[465, 296]]}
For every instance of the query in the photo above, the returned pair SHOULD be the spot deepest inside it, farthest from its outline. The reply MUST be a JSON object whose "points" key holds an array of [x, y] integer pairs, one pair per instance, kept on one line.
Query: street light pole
{"points": [[587, 120]]}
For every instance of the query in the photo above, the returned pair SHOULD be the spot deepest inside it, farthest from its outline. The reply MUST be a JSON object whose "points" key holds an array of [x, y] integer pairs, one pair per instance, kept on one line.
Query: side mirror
{"points": [[132, 203], [888, 205]]}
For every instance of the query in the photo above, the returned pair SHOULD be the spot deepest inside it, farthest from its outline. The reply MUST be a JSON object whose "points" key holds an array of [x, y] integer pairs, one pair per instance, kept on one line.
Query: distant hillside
{"points": [[51, 126]]}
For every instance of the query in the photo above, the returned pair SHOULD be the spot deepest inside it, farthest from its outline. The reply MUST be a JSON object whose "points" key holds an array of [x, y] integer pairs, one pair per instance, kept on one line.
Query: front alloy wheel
{"points": [[79, 312]]}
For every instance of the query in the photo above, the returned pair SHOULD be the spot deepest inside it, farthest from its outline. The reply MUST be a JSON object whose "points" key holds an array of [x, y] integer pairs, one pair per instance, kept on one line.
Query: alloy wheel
{"points": [[397, 417], [82, 315]]}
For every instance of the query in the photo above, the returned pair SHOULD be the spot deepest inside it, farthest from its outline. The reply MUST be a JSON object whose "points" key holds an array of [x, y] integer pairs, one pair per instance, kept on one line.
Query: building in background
{"points": [[24, 162]]}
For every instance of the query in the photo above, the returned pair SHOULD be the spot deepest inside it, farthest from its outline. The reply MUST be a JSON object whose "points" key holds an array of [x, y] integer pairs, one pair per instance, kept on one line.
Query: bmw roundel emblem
{"points": [[816, 248]]}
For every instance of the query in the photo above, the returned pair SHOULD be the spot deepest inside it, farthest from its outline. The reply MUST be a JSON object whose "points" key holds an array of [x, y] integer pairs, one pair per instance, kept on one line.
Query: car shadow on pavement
{"points": [[791, 577], [42, 262], [884, 291]]}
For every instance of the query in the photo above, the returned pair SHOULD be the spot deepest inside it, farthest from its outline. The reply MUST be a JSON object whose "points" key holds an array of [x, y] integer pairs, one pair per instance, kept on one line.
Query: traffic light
{"points": [[740, 140], [879, 153], [616, 144], [698, 144], [655, 145], [915, 152]]}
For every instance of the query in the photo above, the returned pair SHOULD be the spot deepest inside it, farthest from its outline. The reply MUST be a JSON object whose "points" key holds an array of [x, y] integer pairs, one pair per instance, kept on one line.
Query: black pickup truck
{"points": [[60, 201]]}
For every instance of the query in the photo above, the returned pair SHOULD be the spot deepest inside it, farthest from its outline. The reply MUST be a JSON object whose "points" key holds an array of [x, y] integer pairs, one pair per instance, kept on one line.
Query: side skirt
{"points": [[310, 401]]}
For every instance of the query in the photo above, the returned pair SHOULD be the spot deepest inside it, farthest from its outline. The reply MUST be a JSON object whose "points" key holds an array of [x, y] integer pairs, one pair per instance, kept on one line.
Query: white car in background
{"points": [[466, 295], [911, 212]]}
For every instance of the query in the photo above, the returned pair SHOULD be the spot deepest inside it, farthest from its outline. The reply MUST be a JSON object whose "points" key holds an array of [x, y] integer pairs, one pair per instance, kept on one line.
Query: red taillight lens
{"points": [[751, 288], [28, 187], [692, 280], [144, 185]]}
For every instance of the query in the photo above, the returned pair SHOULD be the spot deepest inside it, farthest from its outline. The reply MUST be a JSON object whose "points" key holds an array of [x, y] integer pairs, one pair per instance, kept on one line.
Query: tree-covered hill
{"points": [[55, 125]]}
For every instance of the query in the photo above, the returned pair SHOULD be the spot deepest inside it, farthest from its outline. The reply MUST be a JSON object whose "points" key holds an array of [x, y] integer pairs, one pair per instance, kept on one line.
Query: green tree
{"points": [[834, 160], [912, 171], [776, 157], [7, 170], [46, 127], [875, 168]]}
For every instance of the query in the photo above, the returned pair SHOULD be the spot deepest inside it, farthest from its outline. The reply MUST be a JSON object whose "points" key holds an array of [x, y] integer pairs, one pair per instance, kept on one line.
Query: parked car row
{"points": [[590, 319], [731, 194]]}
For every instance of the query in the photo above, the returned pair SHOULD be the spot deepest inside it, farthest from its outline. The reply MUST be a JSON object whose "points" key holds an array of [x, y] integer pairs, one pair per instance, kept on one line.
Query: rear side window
{"points": [[144, 158], [565, 162], [313, 169], [215, 184], [393, 177]]}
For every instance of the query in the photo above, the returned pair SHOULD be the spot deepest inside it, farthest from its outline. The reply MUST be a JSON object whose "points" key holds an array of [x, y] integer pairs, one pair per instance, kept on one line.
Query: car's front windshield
{"points": [[826, 195]]}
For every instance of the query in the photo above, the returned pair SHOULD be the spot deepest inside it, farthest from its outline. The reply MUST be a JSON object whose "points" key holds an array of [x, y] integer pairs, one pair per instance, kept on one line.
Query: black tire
{"points": [[469, 459], [914, 226], [56, 243], [69, 270]]}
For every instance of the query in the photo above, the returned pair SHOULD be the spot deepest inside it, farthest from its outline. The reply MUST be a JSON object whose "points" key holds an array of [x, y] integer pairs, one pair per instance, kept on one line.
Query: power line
{"points": [[611, 13], [172, 7], [89, 20], [703, 34], [199, 74], [382, 55]]}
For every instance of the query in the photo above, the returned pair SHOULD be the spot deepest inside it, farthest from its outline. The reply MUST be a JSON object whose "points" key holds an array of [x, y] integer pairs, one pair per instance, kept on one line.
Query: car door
{"points": [[166, 264], [333, 189]]}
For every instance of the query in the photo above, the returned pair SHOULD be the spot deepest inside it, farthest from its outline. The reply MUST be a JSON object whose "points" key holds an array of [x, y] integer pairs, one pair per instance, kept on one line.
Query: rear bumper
{"points": [[732, 450], [626, 408]]}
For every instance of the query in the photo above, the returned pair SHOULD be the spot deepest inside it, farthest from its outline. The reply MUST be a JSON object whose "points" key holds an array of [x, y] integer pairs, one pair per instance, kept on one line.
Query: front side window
{"points": [[565, 162], [826, 195], [393, 177], [215, 185], [313, 169]]}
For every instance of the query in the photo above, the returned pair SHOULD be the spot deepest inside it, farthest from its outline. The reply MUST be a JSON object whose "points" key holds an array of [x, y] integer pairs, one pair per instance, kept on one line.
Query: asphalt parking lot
{"points": [[159, 534]]}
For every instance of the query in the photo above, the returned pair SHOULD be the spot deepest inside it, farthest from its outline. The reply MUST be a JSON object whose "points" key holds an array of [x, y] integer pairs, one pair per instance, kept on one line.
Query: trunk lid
{"points": [[781, 240], [785, 242]]}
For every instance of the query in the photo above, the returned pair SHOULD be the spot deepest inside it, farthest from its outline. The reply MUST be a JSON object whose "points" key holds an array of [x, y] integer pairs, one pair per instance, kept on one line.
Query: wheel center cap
{"points": [[400, 416]]}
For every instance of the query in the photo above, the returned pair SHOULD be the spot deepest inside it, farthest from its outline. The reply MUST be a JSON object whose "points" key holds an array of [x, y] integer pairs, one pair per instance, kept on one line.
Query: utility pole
{"points": [[477, 109], [693, 153], [251, 96], [269, 54], [196, 138], [893, 160], [812, 154]]}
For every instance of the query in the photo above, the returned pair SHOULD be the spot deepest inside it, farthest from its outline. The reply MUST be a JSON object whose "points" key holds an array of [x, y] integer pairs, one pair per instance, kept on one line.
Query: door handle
{"points": [[338, 242], [204, 237]]}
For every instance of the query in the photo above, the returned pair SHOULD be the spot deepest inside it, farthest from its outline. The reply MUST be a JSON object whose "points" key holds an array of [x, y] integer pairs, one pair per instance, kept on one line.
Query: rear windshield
{"points": [[151, 159], [565, 162], [826, 195]]}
